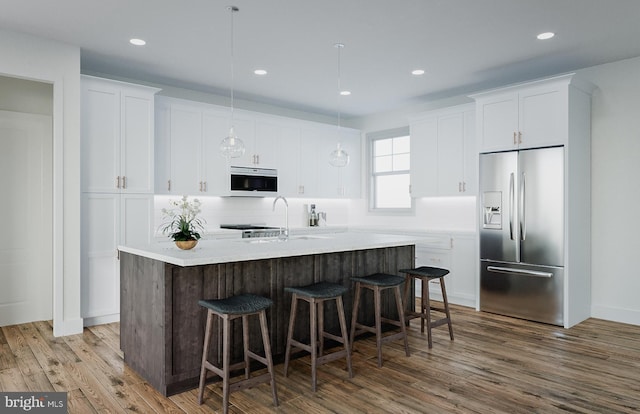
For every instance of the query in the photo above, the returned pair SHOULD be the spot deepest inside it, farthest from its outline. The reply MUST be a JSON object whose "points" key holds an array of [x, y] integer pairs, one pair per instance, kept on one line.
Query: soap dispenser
{"points": [[313, 216]]}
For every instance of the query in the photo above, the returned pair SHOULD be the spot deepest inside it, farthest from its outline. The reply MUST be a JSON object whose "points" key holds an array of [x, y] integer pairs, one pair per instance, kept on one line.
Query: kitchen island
{"points": [[162, 325]]}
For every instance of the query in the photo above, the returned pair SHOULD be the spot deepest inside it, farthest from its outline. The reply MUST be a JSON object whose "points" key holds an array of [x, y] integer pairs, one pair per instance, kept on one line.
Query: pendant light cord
{"points": [[339, 46], [232, 9]]}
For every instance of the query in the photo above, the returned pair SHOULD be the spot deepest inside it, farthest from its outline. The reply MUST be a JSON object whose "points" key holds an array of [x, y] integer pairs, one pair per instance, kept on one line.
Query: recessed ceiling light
{"points": [[417, 72], [545, 35], [260, 72], [345, 93], [137, 42]]}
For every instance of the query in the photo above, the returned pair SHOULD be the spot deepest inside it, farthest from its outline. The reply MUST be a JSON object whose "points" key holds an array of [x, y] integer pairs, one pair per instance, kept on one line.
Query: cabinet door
{"points": [[186, 133], [543, 117], [162, 148], [136, 224], [100, 266], [450, 165], [215, 174], [245, 129], [266, 144], [330, 184], [464, 269], [424, 158], [100, 137], [289, 158], [470, 156], [137, 149], [498, 122], [350, 175], [309, 159]]}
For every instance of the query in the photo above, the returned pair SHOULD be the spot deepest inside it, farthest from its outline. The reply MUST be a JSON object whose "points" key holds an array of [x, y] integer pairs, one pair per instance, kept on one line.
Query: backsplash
{"points": [[254, 210]]}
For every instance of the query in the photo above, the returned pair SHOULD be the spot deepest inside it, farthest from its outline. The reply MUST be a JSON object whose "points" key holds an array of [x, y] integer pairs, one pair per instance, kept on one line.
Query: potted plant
{"points": [[182, 223]]}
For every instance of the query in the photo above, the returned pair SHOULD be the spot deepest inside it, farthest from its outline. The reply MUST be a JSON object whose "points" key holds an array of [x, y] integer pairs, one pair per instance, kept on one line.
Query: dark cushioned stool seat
{"points": [[316, 294], [378, 282], [425, 274], [229, 309], [427, 271], [237, 305], [320, 290], [380, 279]]}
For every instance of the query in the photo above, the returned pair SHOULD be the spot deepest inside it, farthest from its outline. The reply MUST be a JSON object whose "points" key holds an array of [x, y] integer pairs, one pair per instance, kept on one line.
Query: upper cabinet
{"points": [[443, 153], [531, 115], [117, 132], [188, 135]]}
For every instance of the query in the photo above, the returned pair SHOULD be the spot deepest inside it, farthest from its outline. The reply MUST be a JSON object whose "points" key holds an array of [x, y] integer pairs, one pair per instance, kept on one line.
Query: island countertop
{"points": [[236, 250]]}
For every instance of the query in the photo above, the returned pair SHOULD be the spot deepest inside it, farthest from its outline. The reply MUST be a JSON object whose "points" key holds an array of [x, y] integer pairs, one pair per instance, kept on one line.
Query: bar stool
{"points": [[377, 283], [316, 294], [241, 306], [426, 274]]}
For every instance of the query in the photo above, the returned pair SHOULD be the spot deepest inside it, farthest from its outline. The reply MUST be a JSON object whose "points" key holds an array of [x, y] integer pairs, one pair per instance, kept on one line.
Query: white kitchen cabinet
{"points": [[188, 137], [443, 153], [109, 220], [457, 253], [289, 164], [117, 130], [532, 115]]}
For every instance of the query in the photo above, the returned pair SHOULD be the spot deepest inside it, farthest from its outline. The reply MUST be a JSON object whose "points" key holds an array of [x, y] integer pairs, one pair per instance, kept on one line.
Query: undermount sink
{"points": [[277, 240], [307, 237]]}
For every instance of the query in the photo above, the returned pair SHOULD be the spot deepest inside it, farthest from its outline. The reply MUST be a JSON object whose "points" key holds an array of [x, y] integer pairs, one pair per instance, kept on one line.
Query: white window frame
{"points": [[374, 136]]}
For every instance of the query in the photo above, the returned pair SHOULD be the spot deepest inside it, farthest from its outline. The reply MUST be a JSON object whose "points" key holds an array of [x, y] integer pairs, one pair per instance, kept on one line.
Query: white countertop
{"points": [[236, 250]]}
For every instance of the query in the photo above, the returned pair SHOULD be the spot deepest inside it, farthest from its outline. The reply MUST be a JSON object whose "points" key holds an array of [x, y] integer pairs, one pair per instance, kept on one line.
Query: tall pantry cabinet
{"points": [[117, 125]]}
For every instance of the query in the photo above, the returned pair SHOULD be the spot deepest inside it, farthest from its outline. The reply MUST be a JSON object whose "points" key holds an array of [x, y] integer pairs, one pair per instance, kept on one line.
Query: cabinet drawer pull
{"points": [[124, 182], [519, 137], [118, 182], [514, 138], [168, 185]]}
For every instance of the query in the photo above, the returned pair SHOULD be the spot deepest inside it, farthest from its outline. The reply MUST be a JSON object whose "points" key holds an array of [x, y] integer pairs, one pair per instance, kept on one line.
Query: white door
{"points": [[26, 248]]}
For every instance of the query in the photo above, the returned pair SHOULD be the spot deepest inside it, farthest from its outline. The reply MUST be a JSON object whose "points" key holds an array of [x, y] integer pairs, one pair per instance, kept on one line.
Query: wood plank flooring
{"points": [[495, 365]]}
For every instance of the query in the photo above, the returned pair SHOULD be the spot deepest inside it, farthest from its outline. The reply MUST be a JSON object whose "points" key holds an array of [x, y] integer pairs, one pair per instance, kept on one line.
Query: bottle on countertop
{"points": [[313, 216]]}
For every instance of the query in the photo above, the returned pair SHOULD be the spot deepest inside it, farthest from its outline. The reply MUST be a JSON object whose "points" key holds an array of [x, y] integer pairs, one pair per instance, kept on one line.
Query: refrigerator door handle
{"points": [[522, 272], [521, 215], [511, 202]]}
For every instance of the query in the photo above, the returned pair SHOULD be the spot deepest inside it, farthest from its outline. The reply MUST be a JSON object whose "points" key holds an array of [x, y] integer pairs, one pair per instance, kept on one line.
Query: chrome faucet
{"points": [[286, 217]]}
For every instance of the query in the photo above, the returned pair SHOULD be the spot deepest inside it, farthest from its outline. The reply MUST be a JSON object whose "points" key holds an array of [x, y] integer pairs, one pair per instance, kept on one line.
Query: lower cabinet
{"points": [[109, 220], [454, 252]]}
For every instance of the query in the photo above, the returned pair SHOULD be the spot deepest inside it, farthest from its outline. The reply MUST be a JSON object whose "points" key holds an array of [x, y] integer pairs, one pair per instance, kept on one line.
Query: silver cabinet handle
{"points": [[124, 182], [118, 182], [200, 183], [519, 137], [204, 186], [514, 138], [522, 272], [464, 187], [168, 185]]}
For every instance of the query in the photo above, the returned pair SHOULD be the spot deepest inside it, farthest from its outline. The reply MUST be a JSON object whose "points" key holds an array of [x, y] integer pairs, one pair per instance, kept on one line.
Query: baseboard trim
{"points": [[101, 320], [621, 315]]}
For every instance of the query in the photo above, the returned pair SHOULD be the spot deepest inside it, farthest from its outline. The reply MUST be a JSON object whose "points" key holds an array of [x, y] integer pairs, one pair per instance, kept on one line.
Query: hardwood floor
{"points": [[495, 365]]}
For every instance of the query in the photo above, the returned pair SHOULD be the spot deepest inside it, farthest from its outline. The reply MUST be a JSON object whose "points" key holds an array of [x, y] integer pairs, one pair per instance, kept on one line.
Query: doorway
{"points": [[26, 185]]}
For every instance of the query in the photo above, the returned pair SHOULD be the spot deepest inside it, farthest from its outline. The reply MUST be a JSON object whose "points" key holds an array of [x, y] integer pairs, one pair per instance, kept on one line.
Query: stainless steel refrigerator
{"points": [[522, 234]]}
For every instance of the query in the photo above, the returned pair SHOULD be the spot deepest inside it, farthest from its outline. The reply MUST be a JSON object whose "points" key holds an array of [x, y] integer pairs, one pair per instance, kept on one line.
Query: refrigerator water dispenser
{"points": [[492, 209]]}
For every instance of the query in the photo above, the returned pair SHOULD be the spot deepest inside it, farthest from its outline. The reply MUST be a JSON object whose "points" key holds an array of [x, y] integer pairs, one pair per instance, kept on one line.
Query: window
{"points": [[390, 170]]}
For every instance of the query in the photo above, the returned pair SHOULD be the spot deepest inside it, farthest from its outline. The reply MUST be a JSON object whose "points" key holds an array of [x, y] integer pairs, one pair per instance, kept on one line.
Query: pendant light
{"points": [[339, 157], [232, 146]]}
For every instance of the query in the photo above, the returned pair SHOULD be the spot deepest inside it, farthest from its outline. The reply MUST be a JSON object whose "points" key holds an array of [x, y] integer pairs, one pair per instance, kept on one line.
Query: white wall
{"points": [[615, 170], [28, 57]]}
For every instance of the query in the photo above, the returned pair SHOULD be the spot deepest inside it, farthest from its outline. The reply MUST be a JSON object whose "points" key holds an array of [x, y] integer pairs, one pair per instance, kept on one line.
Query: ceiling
{"points": [[463, 45]]}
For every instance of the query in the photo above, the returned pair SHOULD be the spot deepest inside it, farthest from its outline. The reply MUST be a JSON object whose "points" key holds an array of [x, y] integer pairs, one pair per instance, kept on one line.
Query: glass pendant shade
{"points": [[232, 146], [339, 157]]}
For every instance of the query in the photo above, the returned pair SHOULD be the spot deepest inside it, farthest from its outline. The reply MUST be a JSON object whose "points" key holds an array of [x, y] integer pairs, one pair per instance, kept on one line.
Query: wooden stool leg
{"points": [[426, 302], [354, 315], [343, 330], [292, 320], [321, 326], [245, 344], [446, 307], [226, 358], [403, 327], [378, 317], [314, 343], [407, 280], [267, 351], [205, 351]]}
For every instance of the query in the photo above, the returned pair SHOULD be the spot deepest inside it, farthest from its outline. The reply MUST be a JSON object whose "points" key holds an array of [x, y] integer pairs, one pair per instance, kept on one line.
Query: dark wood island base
{"points": [[162, 327]]}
